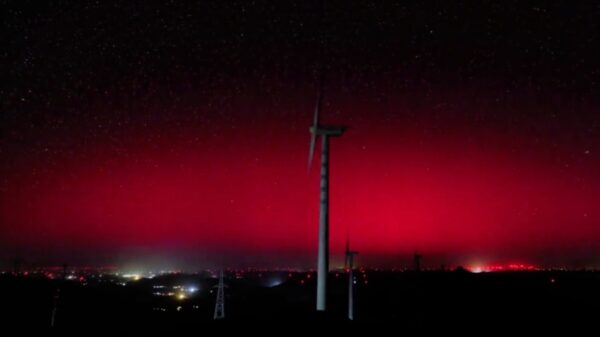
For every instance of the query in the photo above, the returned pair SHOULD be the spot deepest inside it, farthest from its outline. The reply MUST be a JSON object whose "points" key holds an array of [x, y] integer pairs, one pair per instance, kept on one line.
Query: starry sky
{"points": [[177, 133]]}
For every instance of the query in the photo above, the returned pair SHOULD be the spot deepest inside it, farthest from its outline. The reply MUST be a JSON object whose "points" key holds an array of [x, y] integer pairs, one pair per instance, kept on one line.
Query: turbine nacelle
{"points": [[327, 130], [322, 130]]}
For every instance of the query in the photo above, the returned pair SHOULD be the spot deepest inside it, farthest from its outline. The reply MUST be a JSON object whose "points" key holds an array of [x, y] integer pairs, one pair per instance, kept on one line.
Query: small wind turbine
{"points": [[220, 302], [350, 267], [324, 131], [57, 295], [54, 307], [417, 261]]}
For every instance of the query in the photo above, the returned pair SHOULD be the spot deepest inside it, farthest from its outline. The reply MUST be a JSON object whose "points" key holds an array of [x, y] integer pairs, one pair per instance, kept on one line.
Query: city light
{"points": [[503, 267], [133, 277]]}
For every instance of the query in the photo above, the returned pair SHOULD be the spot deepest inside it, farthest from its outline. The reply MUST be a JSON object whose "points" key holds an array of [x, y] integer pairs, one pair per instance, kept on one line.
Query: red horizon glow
{"points": [[502, 196]]}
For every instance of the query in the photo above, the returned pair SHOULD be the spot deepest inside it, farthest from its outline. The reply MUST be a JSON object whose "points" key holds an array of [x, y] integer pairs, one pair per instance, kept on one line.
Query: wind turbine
{"points": [[54, 307], [57, 295], [417, 261], [350, 265], [323, 131], [220, 303]]}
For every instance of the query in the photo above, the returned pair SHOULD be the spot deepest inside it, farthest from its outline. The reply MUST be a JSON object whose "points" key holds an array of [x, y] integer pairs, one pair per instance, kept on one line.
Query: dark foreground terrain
{"points": [[406, 299]]}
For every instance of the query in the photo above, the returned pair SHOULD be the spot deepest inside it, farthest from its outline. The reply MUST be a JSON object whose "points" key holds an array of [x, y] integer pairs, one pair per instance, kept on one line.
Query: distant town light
{"points": [[134, 277]]}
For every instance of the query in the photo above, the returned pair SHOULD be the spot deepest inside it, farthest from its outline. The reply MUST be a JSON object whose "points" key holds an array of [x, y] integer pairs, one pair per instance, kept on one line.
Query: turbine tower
{"points": [[220, 304], [417, 261], [54, 307], [325, 132], [57, 296], [350, 267]]}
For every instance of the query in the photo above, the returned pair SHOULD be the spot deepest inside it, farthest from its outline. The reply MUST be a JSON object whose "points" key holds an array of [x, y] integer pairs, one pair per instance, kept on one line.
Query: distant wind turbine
{"points": [[220, 302], [350, 267]]}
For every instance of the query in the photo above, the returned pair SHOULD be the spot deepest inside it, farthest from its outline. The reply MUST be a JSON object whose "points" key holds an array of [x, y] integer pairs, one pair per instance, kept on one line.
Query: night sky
{"points": [[137, 133]]}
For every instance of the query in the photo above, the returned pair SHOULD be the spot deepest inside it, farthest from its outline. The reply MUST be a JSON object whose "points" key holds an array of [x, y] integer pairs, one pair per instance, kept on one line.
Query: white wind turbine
{"points": [[324, 132]]}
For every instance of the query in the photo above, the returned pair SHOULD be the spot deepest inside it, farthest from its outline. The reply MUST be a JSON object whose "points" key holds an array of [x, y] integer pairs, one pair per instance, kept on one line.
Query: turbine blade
{"points": [[347, 262], [313, 131], [317, 107], [347, 238], [311, 150]]}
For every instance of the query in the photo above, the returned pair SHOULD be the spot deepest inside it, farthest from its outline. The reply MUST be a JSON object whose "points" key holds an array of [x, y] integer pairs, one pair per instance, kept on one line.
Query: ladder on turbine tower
{"points": [[220, 304]]}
